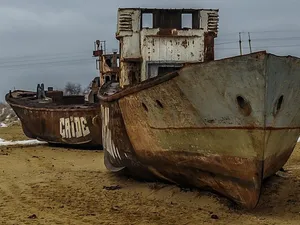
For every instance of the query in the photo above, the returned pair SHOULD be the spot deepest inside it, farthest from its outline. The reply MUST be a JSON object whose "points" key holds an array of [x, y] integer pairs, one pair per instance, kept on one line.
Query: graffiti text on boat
{"points": [[73, 127]]}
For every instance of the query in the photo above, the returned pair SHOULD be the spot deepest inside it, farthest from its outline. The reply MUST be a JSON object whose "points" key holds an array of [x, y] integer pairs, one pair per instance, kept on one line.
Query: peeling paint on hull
{"points": [[224, 125]]}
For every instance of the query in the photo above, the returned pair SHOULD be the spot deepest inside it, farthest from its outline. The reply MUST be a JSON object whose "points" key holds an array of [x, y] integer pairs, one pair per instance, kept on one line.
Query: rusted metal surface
{"points": [[120, 151], [177, 134], [167, 32], [64, 121], [209, 44], [139, 59], [97, 53], [106, 95]]}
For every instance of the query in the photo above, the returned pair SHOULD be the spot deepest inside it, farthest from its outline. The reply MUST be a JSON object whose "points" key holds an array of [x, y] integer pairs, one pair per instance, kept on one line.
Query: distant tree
{"points": [[73, 89], [86, 89]]}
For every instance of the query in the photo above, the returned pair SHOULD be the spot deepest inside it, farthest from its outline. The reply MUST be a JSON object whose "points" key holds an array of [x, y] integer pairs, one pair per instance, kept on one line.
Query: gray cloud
{"points": [[52, 41]]}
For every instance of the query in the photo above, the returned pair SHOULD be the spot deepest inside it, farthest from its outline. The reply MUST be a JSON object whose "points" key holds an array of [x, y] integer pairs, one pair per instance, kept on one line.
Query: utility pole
{"points": [[240, 42], [249, 42]]}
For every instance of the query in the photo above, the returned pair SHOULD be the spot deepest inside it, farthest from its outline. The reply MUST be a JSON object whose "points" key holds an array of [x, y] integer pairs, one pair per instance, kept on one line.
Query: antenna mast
{"points": [[240, 42], [249, 42]]}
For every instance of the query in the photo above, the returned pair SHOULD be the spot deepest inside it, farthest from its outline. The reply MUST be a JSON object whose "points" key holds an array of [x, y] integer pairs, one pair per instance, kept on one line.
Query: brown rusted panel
{"points": [[52, 94], [209, 42], [167, 19], [56, 123], [73, 100], [139, 59], [167, 32], [97, 53], [56, 96], [211, 172]]}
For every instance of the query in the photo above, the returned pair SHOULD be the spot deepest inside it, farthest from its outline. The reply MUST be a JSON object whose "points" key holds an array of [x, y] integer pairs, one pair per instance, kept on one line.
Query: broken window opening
{"points": [[162, 70], [147, 20], [159, 69], [187, 21], [108, 62]]}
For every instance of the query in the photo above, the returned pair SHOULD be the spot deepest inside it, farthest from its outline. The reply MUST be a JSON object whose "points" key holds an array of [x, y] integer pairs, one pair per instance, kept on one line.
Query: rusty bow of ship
{"points": [[177, 114]]}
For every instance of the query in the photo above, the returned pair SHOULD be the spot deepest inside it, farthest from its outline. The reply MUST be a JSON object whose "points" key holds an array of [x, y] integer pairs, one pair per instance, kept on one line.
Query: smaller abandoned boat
{"points": [[56, 118]]}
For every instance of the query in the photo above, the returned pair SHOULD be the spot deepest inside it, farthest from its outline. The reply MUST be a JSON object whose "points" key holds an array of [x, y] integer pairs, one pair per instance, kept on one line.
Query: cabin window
{"points": [[171, 19], [147, 20], [158, 69], [187, 20], [166, 69]]}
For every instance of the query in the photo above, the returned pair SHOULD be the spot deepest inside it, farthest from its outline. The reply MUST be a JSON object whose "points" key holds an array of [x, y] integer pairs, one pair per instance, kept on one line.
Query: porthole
{"points": [[144, 106], [159, 104], [243, 105], [278, 105], [241, 102]]}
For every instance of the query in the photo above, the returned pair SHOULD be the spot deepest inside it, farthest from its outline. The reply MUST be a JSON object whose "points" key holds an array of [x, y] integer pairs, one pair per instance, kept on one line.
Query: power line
{"points": [[258, 31], [262, 39], [275, 38], [45, 55], [271, 46], [224, 43], [71, 65], [50, 63], [47, 62], [41, 59], [276, 31]]}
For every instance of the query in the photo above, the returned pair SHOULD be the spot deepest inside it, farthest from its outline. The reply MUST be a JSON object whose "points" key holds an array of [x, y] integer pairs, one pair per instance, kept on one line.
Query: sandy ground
{"points": [[47, 185]]}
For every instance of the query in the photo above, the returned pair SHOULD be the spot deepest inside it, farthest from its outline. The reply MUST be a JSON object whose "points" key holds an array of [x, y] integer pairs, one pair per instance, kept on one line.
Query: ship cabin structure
{"points": [[154, 42], [107, 63]]}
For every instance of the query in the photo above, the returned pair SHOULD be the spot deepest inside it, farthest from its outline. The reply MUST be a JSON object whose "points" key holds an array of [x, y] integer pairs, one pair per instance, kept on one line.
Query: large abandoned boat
{"points": [[179, 115], [53, 117]]}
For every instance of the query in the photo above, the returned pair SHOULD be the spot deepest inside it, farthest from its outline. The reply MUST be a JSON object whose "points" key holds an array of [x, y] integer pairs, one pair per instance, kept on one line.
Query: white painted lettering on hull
{"points": [[107, 140], [73, 127]]}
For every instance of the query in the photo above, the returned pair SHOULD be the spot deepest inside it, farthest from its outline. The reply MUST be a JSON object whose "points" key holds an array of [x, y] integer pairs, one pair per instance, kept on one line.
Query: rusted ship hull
{"points": [[78, 125], [224, 125]]}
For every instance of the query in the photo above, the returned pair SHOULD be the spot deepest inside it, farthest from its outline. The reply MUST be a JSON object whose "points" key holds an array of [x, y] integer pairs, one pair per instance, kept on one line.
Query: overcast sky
{"points": [[51, 41]]}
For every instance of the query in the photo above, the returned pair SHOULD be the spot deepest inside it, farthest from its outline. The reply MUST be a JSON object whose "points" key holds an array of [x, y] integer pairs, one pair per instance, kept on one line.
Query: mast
{"points": [[249, 42], [99, 51], [240, 42]]}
